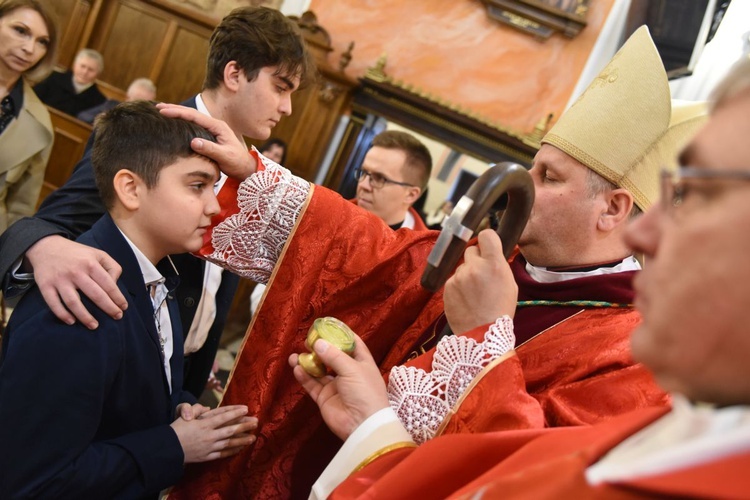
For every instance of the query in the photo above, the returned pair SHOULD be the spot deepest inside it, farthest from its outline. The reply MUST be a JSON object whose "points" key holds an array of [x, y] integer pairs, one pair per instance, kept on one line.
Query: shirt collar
{"points": [[201, 106], [151, 275], [544, 275]]}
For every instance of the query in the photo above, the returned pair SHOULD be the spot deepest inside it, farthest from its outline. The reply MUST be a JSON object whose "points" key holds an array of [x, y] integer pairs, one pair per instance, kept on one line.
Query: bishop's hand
{"points": [[482, 289], [355, 392]]}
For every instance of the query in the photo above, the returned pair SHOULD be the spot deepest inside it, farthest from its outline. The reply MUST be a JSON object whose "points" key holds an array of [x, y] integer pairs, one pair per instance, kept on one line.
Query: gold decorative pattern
{"points": [[377, 72]]}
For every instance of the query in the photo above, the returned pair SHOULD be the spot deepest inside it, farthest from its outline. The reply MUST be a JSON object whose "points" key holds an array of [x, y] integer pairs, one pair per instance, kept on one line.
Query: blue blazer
{"points": [[86, 414], [73, 209]]}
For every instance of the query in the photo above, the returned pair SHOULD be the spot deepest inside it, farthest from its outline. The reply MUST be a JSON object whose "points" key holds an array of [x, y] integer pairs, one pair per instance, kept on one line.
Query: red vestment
{"points": [[538, 464], [344, 262]]}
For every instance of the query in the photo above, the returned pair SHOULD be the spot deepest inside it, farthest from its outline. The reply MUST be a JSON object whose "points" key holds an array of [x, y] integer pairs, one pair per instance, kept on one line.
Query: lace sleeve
{"points": [[422, 400], [249, 242]]}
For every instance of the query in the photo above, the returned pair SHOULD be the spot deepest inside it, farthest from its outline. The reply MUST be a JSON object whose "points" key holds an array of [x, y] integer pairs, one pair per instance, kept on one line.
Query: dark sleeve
{"points": [[42, 88], [68, 211], [88, 115], [56, 383]]}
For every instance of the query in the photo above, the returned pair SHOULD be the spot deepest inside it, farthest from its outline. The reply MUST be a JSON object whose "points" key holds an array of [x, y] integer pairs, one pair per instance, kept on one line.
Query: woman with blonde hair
{"points": [[28, 41]]}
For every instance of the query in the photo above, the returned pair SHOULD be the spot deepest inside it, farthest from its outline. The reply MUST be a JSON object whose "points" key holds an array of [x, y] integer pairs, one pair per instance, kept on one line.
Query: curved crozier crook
{"points": [[468, 213]]}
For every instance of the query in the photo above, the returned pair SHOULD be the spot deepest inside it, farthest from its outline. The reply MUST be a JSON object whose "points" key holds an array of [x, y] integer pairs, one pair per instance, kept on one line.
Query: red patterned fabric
{"points": [[576, 373], [345, 263], [342, 261], [538, 464]]}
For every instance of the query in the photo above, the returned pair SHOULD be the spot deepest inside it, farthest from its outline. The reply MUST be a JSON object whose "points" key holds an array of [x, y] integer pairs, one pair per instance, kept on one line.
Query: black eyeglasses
{"points": [[377, 180], [674, 185]]}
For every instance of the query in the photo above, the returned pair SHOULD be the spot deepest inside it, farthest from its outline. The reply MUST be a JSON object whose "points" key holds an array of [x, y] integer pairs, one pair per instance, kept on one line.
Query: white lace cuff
{"points": [[422, 400], [250, 242]]}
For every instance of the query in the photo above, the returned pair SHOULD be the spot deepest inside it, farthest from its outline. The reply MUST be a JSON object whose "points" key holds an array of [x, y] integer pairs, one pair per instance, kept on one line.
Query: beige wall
{"points": [[453, 50]]}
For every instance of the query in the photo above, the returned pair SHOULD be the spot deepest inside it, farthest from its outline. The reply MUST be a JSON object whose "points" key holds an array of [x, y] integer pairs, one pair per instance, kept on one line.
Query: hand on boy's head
{"points": [[217, 433], [62, 267], [229, 150]]}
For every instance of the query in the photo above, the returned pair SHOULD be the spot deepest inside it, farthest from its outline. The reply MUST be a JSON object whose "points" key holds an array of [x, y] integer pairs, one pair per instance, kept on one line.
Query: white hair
{"points": [[94, 55]]}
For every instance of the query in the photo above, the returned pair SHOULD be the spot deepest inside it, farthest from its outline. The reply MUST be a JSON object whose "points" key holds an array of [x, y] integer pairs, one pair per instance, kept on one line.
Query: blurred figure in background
{"points": [[139, 89], [75, 90], [274, 149], [435, 219]]}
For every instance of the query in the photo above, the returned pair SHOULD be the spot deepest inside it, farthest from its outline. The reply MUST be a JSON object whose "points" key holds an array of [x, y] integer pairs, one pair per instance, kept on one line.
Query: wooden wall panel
{"points": [[184, 65], [71, 136], [70, 16], [127, 56], [315, 112]]}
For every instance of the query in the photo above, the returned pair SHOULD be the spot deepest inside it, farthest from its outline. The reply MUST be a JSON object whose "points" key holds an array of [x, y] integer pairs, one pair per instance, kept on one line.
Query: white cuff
{"points": [[16, 276], [381, 429]]}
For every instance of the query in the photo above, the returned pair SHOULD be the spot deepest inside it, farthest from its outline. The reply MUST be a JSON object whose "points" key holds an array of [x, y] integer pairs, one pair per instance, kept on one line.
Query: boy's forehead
{"points": [[195, 166]]}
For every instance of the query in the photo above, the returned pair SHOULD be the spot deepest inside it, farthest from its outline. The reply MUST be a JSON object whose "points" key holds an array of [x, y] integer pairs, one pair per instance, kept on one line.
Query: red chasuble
{"points": [[345, 262], [538, 464]]}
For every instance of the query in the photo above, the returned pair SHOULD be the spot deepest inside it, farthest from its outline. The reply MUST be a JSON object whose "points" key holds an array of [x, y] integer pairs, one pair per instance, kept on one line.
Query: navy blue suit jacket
{"points": [[73, 209], [86, 414]]}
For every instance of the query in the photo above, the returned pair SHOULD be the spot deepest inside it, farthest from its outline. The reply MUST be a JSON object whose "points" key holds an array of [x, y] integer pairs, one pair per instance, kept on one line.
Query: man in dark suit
{"points": [[104, 415], [256, 59], [75, 90]]}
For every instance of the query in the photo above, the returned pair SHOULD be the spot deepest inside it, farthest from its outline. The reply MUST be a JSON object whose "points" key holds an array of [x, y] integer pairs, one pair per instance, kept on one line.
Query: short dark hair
{"points": [[44, 66], [257, 37], [418, 165], [596, 184], [136, 136], [274, 142]]}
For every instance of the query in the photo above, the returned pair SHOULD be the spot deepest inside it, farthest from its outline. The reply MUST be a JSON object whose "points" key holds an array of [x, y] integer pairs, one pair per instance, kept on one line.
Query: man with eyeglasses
{"points": [[563, 359], [694, 338], [392, 177]]}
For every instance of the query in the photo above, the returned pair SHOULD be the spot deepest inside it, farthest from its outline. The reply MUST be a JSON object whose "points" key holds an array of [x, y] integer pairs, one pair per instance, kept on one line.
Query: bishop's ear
{"points": [[619, 204]]}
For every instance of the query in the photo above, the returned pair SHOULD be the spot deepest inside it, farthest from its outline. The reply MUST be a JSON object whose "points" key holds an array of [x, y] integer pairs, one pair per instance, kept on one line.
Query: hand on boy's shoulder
{"points": [[62, 268]]}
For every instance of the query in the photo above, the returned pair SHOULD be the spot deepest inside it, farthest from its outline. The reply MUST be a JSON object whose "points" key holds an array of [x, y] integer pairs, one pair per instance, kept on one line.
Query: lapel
{"points": [[176, 362], [109, 239], [28, 135], [190, 103]]}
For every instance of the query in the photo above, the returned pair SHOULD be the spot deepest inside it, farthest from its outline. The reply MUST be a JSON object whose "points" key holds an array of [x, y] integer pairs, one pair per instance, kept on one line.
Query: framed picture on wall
{"points": [[541, 18]]}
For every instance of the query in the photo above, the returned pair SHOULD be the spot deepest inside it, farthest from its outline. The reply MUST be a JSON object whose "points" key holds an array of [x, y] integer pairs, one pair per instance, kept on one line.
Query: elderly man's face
{"points": [[85, 70], [694, 290]]}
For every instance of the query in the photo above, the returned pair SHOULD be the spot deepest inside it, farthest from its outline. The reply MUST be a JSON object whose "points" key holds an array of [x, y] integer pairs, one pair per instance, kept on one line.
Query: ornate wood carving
{"points": [[541, 18]]}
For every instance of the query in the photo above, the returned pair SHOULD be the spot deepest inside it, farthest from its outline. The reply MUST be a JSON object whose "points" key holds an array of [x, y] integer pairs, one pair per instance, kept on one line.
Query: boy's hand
{"points": [[62, 267], [186, 411], [356, 392], [218, 433], [229, 150]]}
